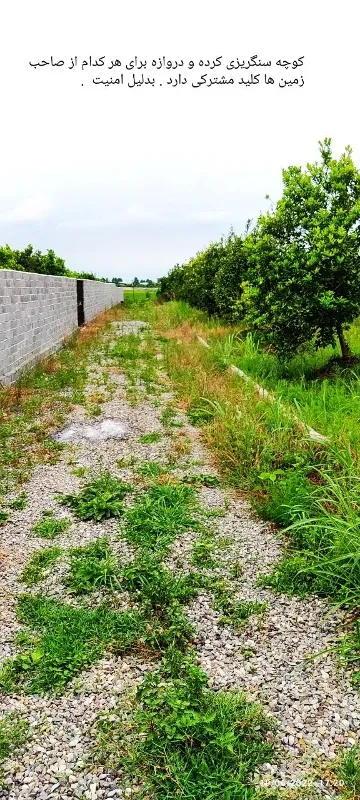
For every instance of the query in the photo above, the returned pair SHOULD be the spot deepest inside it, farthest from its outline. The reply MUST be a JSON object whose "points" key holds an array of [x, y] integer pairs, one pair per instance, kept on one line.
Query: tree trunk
{"points": [[345, 349]]}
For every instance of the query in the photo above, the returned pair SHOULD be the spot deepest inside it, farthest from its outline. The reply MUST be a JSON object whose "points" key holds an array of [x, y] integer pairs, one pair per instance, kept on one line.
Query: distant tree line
{"points": [[30, 260], [293, 277]]}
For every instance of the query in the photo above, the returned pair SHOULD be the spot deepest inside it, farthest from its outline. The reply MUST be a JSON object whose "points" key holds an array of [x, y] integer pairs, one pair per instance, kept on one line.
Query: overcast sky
{"points": [[129, 181]]}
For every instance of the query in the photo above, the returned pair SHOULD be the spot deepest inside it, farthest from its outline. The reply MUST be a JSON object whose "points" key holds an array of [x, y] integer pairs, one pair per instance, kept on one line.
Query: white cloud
{"points": [[211, 216], [128, 216], [31, 209]]}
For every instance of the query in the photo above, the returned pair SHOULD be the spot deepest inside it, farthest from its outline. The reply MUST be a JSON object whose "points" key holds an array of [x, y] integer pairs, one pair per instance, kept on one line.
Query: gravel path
{"points": [[314, 704]]}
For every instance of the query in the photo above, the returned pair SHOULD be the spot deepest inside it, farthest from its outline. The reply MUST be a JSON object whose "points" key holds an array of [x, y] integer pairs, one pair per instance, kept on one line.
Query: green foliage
{"points": [[168, 417], [186, 740], [100, 499], [30, 260], [67, 640], [20, 502], [161, 514], [13, 733], [213, 280], [304, 256], [127, 348], [154, 586], [150, 438], [38, 567], [152, 469], [48, 527], [349, 770], [234, 612], [202, 479], [325, 538], [202, 552], [295, 278], [230, 288], [92, 567], [161, 595]]}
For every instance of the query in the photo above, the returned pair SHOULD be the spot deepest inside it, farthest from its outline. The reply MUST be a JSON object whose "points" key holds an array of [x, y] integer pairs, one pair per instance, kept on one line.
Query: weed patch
{"points": [[348, 770], [48, 527], [39, 565], [150, 438], [92, 567], [14, 732], [185, 740], [67, 640], [100, 499], [163, 512]]}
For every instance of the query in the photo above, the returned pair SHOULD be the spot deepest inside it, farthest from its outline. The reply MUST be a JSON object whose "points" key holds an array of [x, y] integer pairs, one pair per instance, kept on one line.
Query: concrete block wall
{"points": [[38, 311], [99, 296]]}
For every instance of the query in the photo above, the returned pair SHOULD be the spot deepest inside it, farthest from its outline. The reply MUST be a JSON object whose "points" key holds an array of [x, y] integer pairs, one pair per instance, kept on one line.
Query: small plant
{"points": [[94, 410], [349, 771], [19, 502], [234, 612], [160, 515], [202, 479], [236, 570], [125, 463], [92, 567], [150, 438], [168, 418], [49, 527], [3, 517], [181, 446], [152, 469], [13, 733], [38, 567], [100, 499], [80, 472], [202, 552]]}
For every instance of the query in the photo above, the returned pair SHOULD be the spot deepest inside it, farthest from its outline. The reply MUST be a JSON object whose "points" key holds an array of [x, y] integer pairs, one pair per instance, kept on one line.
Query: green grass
{"points": [[152, 469], [203, 551], [160, 596], [150, 438], [80, 472], [168, 417], [184, 740], [162, 513], [62, 640], [20, 502], [48, 527], [100, 499], [14, 732], [233, 612], [154, 586], [39, 566], [325, 540], [324, 392], [24, 441], [348, 770], [202, 479], [92, 567]]}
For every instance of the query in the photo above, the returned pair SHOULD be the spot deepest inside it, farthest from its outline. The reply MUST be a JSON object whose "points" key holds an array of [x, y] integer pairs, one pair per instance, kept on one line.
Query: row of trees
{"points": [[294, 275], [30, 260]]}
